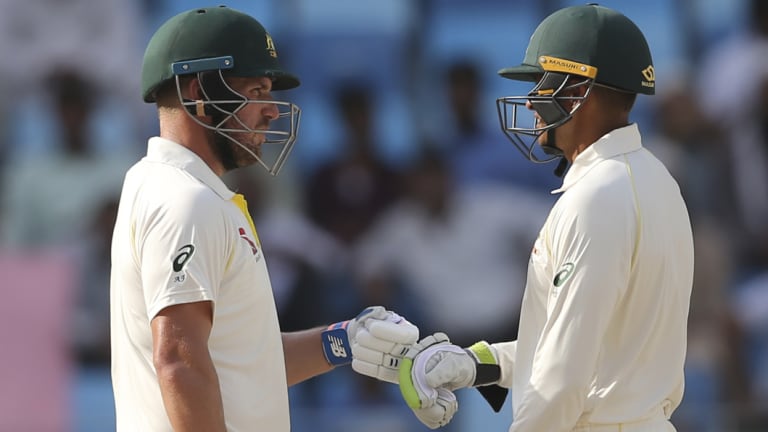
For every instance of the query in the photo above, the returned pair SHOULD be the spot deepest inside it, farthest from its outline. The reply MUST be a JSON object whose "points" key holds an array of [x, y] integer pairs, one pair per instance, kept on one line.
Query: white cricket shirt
{"points": [[181, 237], [603, 324]]}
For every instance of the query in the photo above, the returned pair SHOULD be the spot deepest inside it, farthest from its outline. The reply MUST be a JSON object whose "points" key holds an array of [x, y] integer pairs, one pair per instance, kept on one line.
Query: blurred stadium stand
{"points": [[399, 49]]}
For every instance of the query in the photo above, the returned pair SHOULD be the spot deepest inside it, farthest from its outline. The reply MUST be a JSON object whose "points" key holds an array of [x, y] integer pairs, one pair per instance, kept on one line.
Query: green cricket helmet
{"points": [[575, 46], [212, 44]]}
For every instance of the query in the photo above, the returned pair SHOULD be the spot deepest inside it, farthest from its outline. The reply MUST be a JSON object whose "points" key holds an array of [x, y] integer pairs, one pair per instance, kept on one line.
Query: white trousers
{"points": [[651, 425], [658, 422]]}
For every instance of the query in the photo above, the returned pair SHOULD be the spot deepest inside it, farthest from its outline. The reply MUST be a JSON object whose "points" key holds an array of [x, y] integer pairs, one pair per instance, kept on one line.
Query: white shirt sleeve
{"points": [[182, 250], [506, 352], [590, 241]]}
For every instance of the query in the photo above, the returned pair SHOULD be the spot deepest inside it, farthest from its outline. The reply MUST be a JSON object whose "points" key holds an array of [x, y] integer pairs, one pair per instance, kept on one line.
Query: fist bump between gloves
{"points": [[383, 345], [434, 367]]}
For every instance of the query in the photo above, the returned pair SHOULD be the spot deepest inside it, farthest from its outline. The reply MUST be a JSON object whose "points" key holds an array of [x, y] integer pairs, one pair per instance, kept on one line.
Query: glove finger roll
{"points": [[372, 312], [441, 413], [403, 332], [367, 355], [367, 340], [375, 371]]}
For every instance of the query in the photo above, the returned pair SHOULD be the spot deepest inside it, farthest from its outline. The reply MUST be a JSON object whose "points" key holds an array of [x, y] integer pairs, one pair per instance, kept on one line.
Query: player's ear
{"points": [[192, 92], [190, 88], [578, 92]]}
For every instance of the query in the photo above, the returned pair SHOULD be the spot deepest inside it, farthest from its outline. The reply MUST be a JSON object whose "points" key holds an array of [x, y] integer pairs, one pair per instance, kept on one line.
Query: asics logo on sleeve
{"points": [[185, 253], [337, 347], [565, 272]]}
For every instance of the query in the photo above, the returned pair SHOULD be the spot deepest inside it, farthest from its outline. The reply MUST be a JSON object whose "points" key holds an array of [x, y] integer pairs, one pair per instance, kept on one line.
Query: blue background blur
{"points": [[386, 85]]}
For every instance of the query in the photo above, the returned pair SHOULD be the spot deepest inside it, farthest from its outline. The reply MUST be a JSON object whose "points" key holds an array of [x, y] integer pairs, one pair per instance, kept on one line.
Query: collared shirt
{"points": [[603, 324], [180, 237]]}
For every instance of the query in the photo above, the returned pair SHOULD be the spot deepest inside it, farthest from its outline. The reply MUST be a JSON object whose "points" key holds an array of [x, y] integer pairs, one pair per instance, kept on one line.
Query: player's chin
{"points": [[254, 154], [543, 139], [247, 159], [257, 139], [252, 141]]}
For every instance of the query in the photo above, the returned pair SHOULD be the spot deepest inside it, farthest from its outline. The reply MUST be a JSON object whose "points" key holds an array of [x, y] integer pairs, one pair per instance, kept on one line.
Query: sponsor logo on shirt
{"points": [[185, 253], [563, 275], [251, 243]]}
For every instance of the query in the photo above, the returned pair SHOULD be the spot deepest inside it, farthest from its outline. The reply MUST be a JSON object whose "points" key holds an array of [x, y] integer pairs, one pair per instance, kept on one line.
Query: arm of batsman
{"points": [[377, 340]]}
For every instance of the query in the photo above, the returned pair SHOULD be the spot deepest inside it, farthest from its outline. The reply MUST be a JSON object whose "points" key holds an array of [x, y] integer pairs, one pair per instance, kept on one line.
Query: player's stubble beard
{"points": [[224, 149], [232, 155]]}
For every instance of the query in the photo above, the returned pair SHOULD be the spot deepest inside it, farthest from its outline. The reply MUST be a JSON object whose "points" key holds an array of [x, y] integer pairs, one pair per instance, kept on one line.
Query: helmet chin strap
{"points": [[551, 149], [561, 167]]}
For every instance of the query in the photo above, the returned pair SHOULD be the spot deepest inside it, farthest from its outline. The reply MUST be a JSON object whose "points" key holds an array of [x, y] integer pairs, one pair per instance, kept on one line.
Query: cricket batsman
{"points": [[602, 337], [196, 342]]}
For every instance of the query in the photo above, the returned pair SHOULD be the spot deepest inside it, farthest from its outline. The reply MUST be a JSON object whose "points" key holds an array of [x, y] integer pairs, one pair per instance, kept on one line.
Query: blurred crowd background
{"points": [[401, 190]]}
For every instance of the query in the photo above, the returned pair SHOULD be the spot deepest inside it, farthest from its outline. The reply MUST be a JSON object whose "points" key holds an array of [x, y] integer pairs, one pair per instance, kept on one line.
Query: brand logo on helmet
{"points": [[271, 46], [650, 77], [554, 64]]}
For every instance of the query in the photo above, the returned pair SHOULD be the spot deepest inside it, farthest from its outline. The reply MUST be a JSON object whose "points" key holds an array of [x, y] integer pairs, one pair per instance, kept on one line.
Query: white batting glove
{"points": [[435, 365], [441, 413], [374, 341]]}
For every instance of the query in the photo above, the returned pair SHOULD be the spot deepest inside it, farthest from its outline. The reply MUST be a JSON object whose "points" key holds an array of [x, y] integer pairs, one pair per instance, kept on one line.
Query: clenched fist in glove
{"points": [[374, 342], [434, 367]]}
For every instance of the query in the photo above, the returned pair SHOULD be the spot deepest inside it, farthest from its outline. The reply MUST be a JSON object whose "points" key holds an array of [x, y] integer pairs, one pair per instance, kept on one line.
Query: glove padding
{"points": [[434, 366], [379, 339], [431, 364], [430, 370], [441, 413]]}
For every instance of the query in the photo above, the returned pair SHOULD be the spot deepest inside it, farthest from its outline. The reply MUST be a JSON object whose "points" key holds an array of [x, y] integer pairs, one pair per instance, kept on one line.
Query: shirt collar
{"points": [[619, 141], [170, 153]]}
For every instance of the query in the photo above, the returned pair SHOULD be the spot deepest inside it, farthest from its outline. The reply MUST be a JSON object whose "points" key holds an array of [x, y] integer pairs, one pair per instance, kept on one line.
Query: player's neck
{"points": [[585, 130], [179, 128]]}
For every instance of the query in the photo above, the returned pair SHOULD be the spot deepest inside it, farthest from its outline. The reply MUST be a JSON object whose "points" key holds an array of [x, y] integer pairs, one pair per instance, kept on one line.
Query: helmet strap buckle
{"points": [[200, 108]]}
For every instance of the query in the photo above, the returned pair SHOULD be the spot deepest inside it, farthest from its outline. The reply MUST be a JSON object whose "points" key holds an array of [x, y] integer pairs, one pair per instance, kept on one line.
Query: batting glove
{"points": [[434, 364], [374, 342], [441, 413]]}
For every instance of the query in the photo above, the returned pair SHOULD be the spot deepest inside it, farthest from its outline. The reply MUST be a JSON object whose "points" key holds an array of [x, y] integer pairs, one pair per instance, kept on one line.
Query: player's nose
{"points": [[271, 111], [528, 104]]}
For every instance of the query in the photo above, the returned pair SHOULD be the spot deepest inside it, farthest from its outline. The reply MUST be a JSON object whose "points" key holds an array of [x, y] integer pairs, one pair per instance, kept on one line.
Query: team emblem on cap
{"points": [[271, 46], [650, 77]]}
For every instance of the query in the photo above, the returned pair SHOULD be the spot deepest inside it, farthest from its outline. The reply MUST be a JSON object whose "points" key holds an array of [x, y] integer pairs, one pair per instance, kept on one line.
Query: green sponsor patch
{"points": [[563, 275]]}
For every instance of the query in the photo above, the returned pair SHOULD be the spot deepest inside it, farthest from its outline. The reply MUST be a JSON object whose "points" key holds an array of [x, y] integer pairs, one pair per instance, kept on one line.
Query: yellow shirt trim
{"points": [[242, 204]]}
